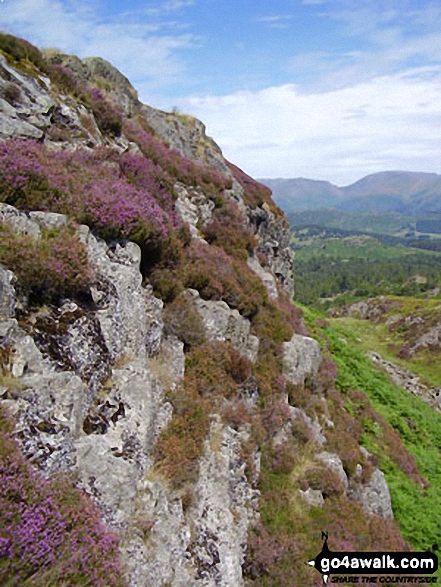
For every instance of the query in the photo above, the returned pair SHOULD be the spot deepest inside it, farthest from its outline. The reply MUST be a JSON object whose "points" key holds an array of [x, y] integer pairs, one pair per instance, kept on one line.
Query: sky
{"points": [[323, 89]]}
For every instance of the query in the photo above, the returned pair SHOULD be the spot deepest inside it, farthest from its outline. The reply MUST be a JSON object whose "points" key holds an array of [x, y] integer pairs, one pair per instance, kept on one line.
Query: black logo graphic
{"points": [[372, 563], [325, 552]]}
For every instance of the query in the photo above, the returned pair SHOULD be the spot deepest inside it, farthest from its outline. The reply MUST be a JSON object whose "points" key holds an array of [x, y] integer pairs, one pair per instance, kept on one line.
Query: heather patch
{"points": [[216, 380], [89, 186], [175, 166], [228, 229], [219, 277], [255, 194], [50, 533], [48, 268]]}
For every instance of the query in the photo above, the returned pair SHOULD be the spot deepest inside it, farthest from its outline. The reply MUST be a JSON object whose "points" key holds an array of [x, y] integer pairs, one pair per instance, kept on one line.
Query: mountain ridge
{"points": [[406, 192]]}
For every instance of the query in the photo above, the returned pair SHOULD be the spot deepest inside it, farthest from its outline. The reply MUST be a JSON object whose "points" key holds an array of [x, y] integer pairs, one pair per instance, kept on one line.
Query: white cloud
{"points": [[374, 38], [386, 123], [142, 48], [277, 21]]}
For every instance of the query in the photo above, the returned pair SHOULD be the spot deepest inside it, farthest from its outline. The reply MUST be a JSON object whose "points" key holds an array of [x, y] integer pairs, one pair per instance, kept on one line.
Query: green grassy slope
{"points": [[416, 506]]}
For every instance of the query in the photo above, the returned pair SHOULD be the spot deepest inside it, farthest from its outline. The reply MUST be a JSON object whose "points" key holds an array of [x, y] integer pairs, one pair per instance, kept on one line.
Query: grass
{"points": [[417, 508], [375, 337], [388, 341]]}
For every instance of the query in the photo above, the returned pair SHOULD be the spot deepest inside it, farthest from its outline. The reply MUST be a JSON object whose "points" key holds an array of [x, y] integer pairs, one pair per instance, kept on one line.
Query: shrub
{"points": [[182, 320], [322, 478], [64, 80], [48, 268], [180, 444], [210, 368], [236, 413], [174, 165], [213, 374], [228, 230], [90, 187], [19, 50], [108, 117], [50, 533], [216, 276]]}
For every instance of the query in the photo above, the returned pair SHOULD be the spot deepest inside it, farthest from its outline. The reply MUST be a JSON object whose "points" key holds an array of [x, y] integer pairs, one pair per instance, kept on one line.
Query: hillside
{"points": [[390, 191], [168, 417]]}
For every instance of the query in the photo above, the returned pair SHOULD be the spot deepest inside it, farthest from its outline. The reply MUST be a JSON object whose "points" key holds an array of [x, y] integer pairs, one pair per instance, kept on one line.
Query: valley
{"points": [[369, 285]]}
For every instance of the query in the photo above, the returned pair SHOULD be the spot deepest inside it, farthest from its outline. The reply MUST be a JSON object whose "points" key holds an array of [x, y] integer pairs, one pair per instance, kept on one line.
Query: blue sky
{"points": [[324, 89]]}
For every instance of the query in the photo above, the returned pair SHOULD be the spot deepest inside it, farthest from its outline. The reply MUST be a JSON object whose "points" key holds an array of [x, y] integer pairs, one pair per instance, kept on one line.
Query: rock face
{"points": [[187, 135], [267, 278], [225, 325], [225, 506], [7, 294], [373, 495], [194, 207], [29, 115], [301, 358], [274, 239], [87, 399]]}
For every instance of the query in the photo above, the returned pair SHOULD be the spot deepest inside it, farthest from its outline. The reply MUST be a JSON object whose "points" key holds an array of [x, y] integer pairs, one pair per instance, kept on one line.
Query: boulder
{"points": [[225, 325], [301, 358], [373, 496]]}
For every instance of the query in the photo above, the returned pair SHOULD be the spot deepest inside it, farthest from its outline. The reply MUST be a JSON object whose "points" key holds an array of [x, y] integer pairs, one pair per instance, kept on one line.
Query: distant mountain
{"points": [[297, 195], [388, 191]]}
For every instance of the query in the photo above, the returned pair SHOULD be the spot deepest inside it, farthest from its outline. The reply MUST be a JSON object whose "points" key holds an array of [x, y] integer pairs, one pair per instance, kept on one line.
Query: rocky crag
{"points": [[148, 344]]}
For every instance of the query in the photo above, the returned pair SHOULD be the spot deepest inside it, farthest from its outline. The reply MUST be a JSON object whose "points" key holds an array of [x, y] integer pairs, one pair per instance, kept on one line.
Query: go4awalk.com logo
{"points": [[362, 567]]}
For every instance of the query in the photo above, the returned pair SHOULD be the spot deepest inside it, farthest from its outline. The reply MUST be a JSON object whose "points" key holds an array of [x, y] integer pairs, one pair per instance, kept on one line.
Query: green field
{"points": [[350, 247], [332, 269], [386, 223]]}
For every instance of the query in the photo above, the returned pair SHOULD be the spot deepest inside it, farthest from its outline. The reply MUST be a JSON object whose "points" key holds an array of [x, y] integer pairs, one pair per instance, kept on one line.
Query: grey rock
{"points": [[374, 496], [408, 381], [8, 297], [72, 339], [172, 359], [24, 356], [13, 127], [225, 507], [312, 497], [226, 325], [193, 207], [301, 358], [49, 220], [158, 546], [187, 135], [125, 324], [154, 326], [274, 239], [431, 338], [30, 114], [297, 414], [371, 309], [19, 221], [267, 278]]}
